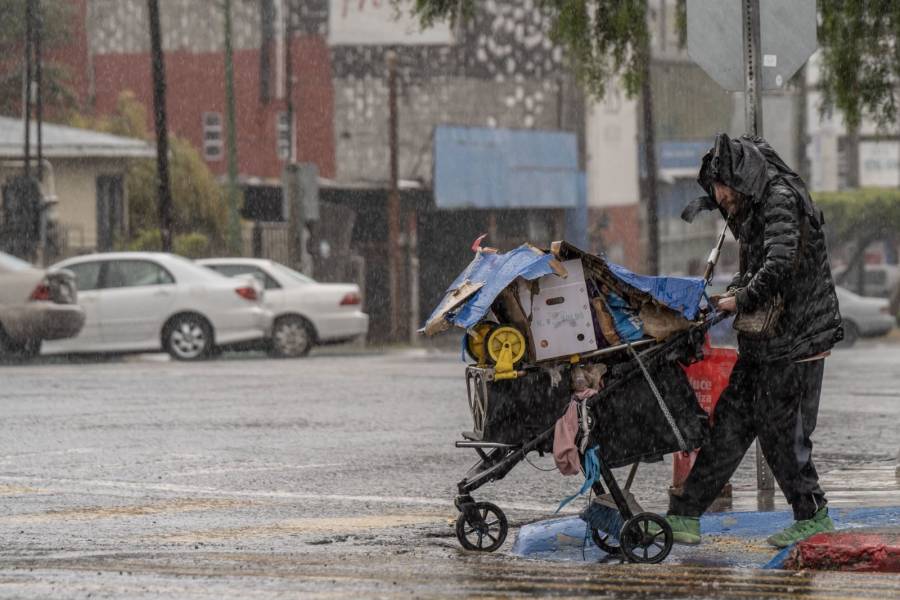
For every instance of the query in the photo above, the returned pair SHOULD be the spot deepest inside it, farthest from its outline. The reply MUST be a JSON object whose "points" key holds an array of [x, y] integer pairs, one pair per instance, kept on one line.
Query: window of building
{"points": [[212, 136], [283, 137]]}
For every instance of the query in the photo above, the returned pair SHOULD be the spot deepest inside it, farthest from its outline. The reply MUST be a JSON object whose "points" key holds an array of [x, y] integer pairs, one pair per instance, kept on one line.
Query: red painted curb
{"points": [[875, 550]]}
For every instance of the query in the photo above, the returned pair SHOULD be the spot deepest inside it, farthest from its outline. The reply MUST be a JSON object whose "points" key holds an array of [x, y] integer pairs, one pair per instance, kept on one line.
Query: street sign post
{"points": [[751, 46], [715, 39]]}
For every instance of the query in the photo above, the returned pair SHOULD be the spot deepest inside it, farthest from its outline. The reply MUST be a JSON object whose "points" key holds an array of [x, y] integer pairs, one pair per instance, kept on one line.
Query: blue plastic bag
{"points": [[626, 321]]}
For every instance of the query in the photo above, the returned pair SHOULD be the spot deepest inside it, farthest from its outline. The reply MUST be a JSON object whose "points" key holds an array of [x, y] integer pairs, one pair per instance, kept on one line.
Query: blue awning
{"points": [[479, 167]]}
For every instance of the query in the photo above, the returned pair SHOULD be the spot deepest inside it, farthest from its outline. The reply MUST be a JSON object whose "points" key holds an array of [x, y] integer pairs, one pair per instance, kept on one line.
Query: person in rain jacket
{"points": [[773, 392]]}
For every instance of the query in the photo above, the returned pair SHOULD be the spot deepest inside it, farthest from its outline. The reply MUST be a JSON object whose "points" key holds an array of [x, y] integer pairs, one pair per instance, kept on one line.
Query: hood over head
{"points": [[749, 165]]}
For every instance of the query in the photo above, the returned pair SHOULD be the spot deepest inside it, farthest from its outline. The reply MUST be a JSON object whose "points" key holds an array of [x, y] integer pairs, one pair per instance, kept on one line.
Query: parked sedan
{"points": [[306, 312], [862, 317], [35, 306], [147, 301]]}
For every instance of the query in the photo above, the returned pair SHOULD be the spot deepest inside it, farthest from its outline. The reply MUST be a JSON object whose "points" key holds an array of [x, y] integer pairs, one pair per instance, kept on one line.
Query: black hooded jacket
{"points": [[782, 250]]}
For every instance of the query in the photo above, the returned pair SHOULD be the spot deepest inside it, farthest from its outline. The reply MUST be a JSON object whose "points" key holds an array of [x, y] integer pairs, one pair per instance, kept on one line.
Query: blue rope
{"points": [[591, 473]]}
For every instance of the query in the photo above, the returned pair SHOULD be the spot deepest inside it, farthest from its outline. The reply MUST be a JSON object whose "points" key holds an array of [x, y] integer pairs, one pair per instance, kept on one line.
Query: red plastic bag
{"points": [[709, 378]]}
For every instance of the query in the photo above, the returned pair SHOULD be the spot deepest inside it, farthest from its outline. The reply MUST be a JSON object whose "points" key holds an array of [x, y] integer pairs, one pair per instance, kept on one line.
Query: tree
{"points": [[860, 216], [56, 25], [860, 59], [606, 41], [198, 203]]}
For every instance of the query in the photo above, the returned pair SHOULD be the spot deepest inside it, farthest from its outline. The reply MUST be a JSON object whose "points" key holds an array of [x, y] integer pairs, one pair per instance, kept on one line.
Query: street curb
{"points": [[730, 539]]}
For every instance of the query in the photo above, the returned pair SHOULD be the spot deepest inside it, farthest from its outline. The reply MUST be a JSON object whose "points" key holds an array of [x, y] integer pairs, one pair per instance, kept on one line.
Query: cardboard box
{"points": [[562, 323]]}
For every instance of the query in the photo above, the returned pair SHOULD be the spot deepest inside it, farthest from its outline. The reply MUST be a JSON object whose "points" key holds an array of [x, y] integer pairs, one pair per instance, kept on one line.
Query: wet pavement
{"points": [[334, 476]]}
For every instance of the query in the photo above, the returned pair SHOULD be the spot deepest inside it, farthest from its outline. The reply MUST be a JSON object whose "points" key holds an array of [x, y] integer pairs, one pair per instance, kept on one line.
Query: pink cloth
{"points": [[565, 453]]}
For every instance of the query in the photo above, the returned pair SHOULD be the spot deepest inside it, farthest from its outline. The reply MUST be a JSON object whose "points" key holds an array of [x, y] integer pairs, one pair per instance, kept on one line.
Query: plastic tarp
{"points": [[681, 294], [496, 271]]}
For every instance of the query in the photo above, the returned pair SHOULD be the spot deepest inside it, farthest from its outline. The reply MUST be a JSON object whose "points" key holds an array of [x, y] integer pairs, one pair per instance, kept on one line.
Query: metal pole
{"points": [[393, 204], [652, 171], [39, 77], [234, 223], [289, 80], [413, 251], [164, 192], [39, 110], [752, 99], [754, 119], [26, 99]]}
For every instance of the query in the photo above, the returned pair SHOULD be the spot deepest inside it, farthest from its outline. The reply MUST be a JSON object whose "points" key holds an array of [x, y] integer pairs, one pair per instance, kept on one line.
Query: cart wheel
{"points": [[502, 337], [606, 542], [481, 527], [476, 339], [646, 538]]}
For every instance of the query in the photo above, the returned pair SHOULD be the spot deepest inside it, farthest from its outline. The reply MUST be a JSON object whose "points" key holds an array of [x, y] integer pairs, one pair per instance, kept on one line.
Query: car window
{"points": [[292, 274], [231, 270], [135, 273], [87, 275]]}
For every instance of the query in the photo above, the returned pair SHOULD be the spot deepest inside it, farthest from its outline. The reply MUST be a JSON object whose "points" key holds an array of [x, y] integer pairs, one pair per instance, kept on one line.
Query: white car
{"points": [[148, 301], [863, 317], [306, 312], [35, 306]]}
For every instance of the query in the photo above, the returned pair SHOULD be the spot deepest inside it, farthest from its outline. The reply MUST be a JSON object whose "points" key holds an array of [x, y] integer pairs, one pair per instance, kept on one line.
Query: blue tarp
{"points": [[681, 294], [496, 271]]}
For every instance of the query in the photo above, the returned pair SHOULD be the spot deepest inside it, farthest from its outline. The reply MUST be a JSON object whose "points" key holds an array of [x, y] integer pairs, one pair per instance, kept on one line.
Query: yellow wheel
{"points": [[508, 338], [475, 341]]}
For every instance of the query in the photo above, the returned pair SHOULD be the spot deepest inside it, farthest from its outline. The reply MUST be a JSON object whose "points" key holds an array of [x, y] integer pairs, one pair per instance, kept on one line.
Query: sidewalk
{"points": [[860, 499]]}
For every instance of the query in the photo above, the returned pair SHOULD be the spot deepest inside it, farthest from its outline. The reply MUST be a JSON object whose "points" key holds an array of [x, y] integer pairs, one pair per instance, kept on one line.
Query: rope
{"points": [[539, 468], [659, 400], [591, 473]]}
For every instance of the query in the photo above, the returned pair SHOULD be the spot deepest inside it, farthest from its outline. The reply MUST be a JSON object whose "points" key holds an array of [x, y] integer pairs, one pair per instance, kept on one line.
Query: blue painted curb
{"points": [[730, 539]]}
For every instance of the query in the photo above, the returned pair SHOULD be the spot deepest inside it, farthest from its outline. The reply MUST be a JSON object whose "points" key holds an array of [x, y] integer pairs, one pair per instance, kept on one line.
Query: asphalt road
{"points": [[333, 476]]}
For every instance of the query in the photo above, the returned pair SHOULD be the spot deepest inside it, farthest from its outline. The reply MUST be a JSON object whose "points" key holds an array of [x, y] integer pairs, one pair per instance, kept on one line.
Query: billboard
{"points": [[380, 23]]}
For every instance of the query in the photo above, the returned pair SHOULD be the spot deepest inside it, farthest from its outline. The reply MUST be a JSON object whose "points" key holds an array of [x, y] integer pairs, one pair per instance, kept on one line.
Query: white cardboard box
{"points": [[562, 323]]}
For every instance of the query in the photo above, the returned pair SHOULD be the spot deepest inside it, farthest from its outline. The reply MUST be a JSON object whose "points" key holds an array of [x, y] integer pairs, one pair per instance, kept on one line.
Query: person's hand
{"points": [[727, 304]]}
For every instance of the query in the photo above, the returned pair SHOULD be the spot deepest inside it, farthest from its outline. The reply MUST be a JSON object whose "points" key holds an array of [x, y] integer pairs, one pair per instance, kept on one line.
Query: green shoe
{"points": [[685, 530], [800, 530]]}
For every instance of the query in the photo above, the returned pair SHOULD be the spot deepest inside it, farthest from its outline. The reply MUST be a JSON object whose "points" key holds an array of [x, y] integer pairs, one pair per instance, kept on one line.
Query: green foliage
{"points": [[603, 39], [862, 213], [189, 245], [860, 58], [57, 19], [146, 240], [129, 119], [431, 11], [198, 205], [197, 198]]}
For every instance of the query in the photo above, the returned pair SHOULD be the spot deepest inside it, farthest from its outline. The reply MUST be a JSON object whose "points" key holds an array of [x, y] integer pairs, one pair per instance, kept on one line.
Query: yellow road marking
{"points": [[16, 490], [91, 513], [308, 525]]}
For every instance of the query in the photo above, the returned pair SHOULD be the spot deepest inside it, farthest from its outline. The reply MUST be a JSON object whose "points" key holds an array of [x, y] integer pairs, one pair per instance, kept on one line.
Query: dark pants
{"points": [[778, 403]]}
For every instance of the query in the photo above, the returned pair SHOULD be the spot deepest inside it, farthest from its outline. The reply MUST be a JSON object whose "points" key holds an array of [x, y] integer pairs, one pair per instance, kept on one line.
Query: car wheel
{"points": [[188, 337], [292, 337], [851, 335]]}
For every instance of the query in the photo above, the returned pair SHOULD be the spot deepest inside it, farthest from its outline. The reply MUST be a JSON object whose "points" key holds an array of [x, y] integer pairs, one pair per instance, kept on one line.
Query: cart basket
{"points": [[629, 424], [515, 411]]}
